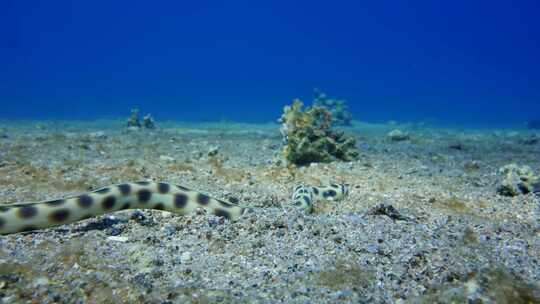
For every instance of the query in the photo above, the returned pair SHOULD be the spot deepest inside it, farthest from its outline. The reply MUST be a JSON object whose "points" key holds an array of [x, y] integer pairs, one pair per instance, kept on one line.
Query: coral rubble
{"points": [[518, 180], [338, 108], [309, 138]]}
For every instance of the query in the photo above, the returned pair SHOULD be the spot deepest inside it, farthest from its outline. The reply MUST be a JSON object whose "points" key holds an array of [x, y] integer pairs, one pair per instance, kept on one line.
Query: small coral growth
{"points": [[337, 107], [309, 138]]}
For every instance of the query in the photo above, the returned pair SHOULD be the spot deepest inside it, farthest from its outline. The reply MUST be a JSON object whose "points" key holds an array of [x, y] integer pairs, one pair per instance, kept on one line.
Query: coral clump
{"points": [[134, 121], [518, 180], [337, 107], [149, 122], [309, 138]]}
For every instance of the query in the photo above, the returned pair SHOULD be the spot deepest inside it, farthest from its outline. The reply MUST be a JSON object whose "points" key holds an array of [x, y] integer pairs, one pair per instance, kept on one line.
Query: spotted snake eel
{"points": [[140, 195]]}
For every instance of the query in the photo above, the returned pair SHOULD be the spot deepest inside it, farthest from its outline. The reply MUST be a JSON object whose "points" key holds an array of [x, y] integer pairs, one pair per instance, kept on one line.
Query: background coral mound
{"points": [[308, 136], [135, 122], [518, 180], [338, 108]]}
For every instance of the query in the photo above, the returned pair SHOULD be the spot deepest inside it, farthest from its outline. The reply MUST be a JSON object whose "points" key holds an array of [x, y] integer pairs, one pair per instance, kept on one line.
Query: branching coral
{"points": [[308, 136]]}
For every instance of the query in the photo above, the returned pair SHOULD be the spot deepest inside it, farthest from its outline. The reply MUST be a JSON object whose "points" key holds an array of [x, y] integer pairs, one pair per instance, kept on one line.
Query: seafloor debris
{"points": [[398, 135], [390, 211], [518, 180], [338, 108], [309, 138], [134, 121], [486, 285]]}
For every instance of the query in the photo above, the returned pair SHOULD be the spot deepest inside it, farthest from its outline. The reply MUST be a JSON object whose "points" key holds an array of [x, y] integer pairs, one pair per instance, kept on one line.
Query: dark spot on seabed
{"points": [[159, 206], [222, 213]]}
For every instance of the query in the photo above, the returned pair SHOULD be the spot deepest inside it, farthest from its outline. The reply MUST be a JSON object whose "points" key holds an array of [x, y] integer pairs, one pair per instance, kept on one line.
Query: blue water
{"points": [[456, 62]]}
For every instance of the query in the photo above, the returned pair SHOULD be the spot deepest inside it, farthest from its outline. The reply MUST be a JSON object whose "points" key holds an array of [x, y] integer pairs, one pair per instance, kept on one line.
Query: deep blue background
{"points": [[452, 61]]}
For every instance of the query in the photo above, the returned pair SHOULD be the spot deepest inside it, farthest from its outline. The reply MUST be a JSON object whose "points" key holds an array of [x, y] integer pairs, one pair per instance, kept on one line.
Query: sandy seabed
{"points": [[423, 222]]}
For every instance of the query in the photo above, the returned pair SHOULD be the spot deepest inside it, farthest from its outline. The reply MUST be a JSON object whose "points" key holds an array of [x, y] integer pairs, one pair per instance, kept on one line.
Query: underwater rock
{"points": [[309, 138], [398, 135], [338, 108], [518, 180]]}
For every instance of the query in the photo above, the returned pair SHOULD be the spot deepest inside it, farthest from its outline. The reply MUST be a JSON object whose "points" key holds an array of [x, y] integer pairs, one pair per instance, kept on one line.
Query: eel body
{"points": [[139, 195]]}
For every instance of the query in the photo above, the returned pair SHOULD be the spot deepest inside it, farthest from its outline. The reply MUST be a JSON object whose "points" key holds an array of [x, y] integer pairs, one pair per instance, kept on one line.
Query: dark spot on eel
{"points": [[163, 188], [2, 222], [315, 190], [125, 189], [27, 212], [329, 193], [109, 202], [180, 200], [85, 201], [143, 183], [144, 195], [203, 199], [59, 215]]}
